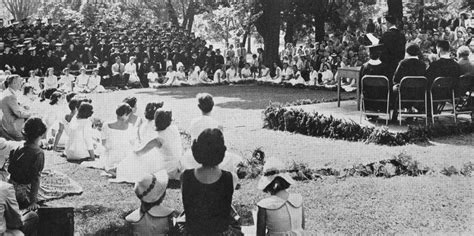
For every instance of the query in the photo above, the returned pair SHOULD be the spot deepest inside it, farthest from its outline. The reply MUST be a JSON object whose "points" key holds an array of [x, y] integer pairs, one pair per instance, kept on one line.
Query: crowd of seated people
{"points": [[146, 151], [443, 65]]}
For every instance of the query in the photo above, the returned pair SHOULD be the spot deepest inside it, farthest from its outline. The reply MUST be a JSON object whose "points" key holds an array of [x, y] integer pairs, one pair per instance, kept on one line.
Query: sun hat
{"points": [[273, 168], [151, 187]]}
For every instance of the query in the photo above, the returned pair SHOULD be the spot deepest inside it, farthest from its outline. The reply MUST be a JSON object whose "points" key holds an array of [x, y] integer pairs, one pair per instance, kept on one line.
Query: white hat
{"points": [[273, 168], [151, 187]]}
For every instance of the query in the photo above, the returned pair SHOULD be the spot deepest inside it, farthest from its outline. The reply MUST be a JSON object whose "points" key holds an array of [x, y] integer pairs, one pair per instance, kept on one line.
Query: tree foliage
{"points": [[57, 11], [21, 9]]}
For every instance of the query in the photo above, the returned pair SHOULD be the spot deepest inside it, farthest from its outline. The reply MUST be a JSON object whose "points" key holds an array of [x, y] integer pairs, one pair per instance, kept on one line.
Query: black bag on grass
{"points": [[56, 221]]}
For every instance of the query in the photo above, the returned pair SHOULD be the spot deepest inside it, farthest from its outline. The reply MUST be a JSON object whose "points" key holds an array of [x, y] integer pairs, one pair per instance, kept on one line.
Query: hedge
{"points": [[278, 117]]}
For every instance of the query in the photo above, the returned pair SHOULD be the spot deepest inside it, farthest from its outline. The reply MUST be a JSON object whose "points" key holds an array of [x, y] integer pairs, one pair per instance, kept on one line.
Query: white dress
{"points": [[65, 83], [50, 82], [119, 144], [51, 117], [232, 75], [35, 83], [166, 157], [94, 85], [80, 139], [81, 83]]}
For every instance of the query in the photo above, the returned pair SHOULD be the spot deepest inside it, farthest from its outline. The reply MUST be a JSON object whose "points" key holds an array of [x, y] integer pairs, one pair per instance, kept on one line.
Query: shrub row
{"points": [[278, 117]]}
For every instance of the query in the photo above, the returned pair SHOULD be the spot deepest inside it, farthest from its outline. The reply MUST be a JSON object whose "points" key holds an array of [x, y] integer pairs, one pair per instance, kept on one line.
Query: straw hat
{"points": [[151, 187], [273, 168]]}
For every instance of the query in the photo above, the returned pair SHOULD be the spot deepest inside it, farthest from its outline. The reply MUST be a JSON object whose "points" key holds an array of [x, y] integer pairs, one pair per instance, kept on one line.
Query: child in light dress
{"points": [[282, 213], [152, 218]]}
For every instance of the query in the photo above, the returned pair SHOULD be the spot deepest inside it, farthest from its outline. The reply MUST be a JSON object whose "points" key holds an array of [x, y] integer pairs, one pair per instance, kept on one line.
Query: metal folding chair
{"points": [[413, 89], [442, 92], [375, 89]]}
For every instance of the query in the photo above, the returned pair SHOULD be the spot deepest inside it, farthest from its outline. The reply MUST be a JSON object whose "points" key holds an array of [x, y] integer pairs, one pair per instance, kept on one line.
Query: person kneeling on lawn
{"points": [[152, 218]]}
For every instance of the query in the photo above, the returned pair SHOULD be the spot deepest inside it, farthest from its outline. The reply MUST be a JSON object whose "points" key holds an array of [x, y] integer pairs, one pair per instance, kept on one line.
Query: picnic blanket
{"points": [[56, 185]]}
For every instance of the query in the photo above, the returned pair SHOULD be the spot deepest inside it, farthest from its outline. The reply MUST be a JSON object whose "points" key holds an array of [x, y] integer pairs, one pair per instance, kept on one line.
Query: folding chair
{"points": [[413, 89], [442, 91], [463, 93], [375, 89]]}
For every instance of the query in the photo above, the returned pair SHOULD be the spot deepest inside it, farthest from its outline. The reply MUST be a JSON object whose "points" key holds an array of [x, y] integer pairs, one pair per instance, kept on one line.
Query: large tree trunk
{"points": [[268, 26], [395, 9], [290, 31], [319, 27], [173, 16]]}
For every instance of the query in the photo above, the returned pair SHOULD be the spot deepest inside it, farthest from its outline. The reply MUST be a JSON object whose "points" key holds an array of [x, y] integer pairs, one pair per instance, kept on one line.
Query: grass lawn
{"points": [[355, 205]]}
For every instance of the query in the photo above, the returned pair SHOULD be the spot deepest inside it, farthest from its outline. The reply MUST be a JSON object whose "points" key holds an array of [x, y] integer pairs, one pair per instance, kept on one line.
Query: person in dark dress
{"points": [[393, 50], [373, 67], [410, 66], [207, 191]]}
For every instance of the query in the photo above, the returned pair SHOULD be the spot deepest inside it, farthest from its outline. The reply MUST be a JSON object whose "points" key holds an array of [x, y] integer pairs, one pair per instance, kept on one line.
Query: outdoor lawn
{"points": [[434, 203]]}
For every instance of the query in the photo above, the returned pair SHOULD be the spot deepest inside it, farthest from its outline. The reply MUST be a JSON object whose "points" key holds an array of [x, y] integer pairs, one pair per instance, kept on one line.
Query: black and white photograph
{"points": [[236, 117]]}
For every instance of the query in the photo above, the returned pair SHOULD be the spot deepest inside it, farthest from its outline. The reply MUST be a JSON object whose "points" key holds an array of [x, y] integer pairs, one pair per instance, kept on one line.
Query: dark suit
{"points": [[442, 68], [409, 67], [393, 50]]}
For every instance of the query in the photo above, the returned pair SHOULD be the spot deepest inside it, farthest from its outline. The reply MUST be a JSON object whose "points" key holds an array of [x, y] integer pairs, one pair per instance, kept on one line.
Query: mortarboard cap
{"points": [[31, 48]]}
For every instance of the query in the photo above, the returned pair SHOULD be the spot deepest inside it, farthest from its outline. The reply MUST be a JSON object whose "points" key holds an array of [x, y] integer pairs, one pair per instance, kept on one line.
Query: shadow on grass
{"points": [[249, 97], [115, 230]]}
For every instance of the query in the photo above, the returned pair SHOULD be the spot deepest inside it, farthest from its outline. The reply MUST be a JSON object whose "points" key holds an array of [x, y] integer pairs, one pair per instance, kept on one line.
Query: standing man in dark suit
{"points": [[393, 42]]}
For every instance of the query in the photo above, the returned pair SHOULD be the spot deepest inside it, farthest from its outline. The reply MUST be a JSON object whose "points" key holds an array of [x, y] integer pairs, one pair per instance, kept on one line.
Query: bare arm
{"points": [[150, 145], [261, 222], [58, 136]]}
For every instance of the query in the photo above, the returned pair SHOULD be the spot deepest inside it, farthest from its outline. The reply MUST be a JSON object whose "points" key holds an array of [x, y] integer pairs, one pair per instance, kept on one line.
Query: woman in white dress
{"points": [[117, 138], [50, 81], [81, 81], [152, 77], [219, 75], [264, 76], [93, 85], [66, 81], [278, 76], [204, 76], [167, 144], [232, 74], [52, 115], [180, 76], [170, 76], [313, 77], [80, 145], [193, 78], [34, 81]]}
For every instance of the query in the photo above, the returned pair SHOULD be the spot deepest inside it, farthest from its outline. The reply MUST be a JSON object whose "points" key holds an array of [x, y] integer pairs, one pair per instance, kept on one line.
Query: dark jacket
{"points": [[409, 67], [443, 68], [393, 46]]}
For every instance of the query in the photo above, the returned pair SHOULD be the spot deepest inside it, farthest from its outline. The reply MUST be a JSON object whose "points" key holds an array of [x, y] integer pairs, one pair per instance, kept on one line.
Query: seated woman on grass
{"points": [[207, 190], [219, 75], [246, 73], [326, 76], [93, 85], [264, 76], [152, 77], [26, 164], [232, 74], [82, 79], [169, 76], [66, 81], [80, 145], [180, 77], [282, 213]]}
